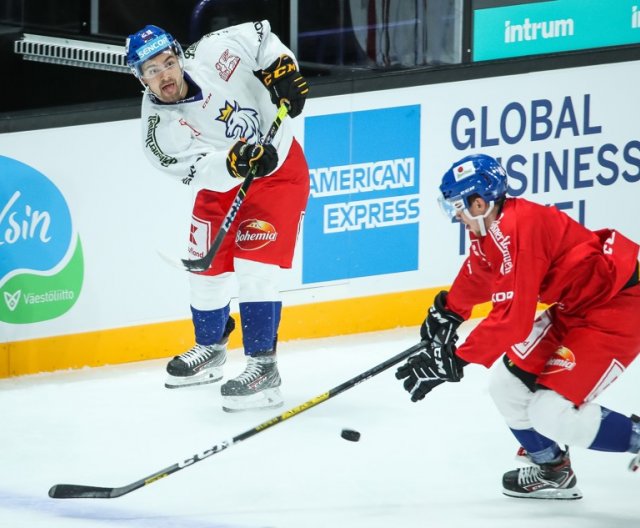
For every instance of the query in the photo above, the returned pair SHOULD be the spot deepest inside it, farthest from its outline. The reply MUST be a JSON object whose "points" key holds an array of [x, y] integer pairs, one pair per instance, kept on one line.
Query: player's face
{"points": [[476, 211], [163, 75]]}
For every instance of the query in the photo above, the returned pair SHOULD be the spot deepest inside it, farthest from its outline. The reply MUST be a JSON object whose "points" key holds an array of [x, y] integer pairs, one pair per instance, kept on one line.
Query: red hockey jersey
{"points": [[533, 253]]}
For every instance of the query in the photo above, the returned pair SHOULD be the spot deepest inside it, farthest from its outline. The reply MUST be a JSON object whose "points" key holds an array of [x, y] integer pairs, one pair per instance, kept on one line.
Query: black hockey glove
{"points": [[426, 370], [440, 324], [284, 81], [418, 389], [243, 157]]}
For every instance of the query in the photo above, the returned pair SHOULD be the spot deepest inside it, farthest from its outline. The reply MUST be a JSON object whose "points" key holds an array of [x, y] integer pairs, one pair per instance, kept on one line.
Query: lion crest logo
{"points": [[240, 122]]}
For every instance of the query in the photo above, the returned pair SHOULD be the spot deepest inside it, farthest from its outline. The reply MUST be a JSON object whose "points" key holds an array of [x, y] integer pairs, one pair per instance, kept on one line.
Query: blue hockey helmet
{"points": [[146, 44], [475, 175]]}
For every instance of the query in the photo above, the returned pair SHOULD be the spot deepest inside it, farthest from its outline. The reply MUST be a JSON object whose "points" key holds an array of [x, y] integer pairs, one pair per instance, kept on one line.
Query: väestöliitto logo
{"points": [[41, 262]]}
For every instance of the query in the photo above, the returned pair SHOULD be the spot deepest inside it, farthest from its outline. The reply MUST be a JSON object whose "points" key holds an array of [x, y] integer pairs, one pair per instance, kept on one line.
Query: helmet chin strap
{"points": [[480, 218]]}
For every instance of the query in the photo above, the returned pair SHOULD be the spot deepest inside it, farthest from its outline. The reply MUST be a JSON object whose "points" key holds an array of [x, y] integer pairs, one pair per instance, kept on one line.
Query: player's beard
{"points": [[171, 92]]}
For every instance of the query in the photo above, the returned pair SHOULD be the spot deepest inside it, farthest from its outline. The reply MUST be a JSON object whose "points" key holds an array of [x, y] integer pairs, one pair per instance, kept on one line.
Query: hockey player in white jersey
{"points": [[205, 112]]}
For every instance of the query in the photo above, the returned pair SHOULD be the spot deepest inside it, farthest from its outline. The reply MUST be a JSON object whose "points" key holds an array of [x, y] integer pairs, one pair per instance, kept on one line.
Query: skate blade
{"points": [[202, 378], [634, 465], [266, 399], [547, 494]]}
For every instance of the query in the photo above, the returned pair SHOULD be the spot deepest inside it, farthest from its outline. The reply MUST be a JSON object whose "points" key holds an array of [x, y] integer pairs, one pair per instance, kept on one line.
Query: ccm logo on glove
{"points": [[285, 84]]}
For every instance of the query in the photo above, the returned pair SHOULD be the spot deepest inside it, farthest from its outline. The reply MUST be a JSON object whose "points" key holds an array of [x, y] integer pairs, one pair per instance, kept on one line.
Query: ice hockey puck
{"points": [[350, 434]]}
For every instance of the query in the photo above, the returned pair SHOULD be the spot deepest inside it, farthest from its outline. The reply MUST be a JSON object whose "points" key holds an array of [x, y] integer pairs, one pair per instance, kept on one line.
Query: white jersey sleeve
{"points": [[171, 147], [254, 40], [189, 140]]}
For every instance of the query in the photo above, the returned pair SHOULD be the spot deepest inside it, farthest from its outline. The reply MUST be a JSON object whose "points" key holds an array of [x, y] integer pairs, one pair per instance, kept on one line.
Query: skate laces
{"points": [[196, 355], [254, 369], [528, 475], [531, 474]]}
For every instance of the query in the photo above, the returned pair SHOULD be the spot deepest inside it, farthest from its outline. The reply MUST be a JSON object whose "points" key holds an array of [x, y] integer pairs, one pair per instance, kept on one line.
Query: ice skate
{"points": [[258, 387], [198, 365], [201, 363], [544, 481]]}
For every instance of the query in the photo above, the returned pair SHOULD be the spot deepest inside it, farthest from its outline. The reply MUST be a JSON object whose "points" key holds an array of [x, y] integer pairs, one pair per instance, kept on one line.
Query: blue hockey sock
{"points": [[615, 433], [634, 444], [541, 449], [209, 325], [260, 322]]}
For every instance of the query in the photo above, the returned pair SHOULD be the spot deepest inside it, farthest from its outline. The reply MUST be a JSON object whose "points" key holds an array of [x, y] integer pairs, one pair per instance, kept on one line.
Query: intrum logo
{"points": [[41, 263], [255, 234]]}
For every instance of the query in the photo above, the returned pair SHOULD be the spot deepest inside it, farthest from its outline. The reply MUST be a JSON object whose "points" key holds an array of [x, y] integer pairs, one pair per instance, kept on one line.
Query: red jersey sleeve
{"points": [[473, 283]]}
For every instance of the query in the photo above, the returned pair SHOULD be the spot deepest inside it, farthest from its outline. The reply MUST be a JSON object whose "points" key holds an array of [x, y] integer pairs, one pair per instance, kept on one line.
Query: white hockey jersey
{"points": [[190, 139]]}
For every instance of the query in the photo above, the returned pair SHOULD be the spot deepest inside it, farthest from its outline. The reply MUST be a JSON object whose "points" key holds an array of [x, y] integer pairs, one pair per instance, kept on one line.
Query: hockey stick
{"points": [[204, 263], [79, 491]]}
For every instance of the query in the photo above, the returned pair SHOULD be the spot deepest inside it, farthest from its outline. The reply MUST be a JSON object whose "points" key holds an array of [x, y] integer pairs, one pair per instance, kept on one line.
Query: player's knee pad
{"points": [[257, 281], [210, 292], [510, 396], [559, 419]]}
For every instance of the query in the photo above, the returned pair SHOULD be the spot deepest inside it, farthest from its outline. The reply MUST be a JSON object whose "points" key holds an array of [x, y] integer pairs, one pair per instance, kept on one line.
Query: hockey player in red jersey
{"points": [[551, 368], [205, 112]]}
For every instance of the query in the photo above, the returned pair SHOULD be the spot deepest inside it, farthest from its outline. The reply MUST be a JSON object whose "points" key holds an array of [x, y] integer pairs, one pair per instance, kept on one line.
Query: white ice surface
{"points": [[437, 463]]}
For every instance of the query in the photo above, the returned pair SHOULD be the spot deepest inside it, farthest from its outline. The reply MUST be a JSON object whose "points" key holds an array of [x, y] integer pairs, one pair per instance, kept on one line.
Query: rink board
{"points": [[81, 282]]}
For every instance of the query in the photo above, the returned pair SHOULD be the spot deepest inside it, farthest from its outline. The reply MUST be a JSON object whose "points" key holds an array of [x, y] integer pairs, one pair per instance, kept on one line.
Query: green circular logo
{"points": [[41, 262]]}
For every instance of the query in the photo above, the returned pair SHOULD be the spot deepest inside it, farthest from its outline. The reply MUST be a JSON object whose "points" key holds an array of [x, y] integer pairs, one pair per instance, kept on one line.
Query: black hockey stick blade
{"points": [[80, 491], [73, 491], [204, 263]]}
